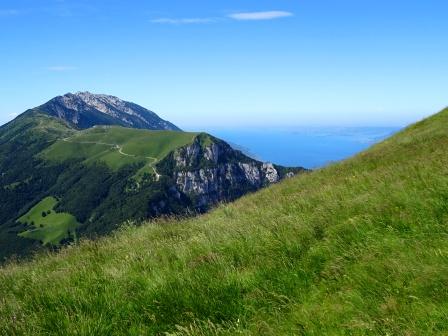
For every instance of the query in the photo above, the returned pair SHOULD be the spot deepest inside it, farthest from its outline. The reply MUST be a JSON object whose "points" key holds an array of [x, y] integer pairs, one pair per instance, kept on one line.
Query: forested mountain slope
{"points": [[60, 181]]}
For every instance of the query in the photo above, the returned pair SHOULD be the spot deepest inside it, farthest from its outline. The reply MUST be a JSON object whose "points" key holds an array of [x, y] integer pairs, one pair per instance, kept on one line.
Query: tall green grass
{"points": [[357, 248]]}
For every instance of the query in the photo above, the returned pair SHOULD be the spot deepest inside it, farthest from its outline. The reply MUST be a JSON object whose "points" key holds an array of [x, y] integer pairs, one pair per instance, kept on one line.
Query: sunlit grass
{"points": [[47, 225], [357, 248], [117, 146]]}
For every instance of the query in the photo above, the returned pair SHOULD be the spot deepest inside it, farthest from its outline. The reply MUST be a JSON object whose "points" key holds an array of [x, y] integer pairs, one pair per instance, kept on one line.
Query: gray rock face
{"points": [[270, 172], [210, 171], [84, 110]]}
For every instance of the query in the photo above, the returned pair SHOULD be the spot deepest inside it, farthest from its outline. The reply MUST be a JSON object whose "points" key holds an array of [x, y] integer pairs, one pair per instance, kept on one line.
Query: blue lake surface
{"points": [[309, 147]]}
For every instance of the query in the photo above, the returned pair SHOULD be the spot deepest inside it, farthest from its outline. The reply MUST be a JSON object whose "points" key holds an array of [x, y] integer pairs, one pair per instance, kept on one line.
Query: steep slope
{"points": [[23, 178], [102, 176], [357, 248], [84, 110]]}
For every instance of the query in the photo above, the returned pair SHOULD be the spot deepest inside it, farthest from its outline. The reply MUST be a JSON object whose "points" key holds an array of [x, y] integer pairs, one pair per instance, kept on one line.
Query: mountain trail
{"points": [[120, 151]]}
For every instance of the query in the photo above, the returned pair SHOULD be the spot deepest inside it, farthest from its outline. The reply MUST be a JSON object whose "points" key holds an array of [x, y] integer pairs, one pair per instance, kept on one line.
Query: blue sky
{"points": [[232, 63]]}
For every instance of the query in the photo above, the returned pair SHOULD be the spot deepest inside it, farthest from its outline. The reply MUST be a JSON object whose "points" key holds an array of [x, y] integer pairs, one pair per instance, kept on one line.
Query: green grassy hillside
{"points": [[48, 226], [24, 181], [106, 175], [357, 248], [118, 146]]}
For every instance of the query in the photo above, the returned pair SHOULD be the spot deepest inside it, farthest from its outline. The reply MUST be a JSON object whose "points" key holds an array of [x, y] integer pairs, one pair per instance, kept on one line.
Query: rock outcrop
{"points": [[210, 171], [84, 109]]}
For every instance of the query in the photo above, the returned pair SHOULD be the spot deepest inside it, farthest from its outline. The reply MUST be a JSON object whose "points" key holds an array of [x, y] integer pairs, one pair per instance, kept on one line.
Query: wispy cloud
{"points": [[254, 16], [240, 16], [61, 68], [184, 21], [8, 12], [13, 115]]}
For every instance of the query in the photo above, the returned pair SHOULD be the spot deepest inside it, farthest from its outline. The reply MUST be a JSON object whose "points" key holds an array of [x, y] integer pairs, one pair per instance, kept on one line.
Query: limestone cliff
{"points": [[210, 171]]}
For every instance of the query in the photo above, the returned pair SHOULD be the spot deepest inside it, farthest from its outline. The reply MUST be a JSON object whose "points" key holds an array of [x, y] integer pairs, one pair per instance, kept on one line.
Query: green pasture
{"points": [[48, 226]]}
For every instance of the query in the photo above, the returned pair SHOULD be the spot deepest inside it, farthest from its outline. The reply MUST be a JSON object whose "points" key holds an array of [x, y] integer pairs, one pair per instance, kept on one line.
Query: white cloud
{"points": [[242, 16], [13, 115], [61, 68], [253, 16], [184, 21]]}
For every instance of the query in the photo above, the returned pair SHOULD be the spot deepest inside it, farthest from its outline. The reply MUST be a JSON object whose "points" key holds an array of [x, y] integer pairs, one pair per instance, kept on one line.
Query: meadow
{"points": [[48, 226], [117, 146], [356, 248]]}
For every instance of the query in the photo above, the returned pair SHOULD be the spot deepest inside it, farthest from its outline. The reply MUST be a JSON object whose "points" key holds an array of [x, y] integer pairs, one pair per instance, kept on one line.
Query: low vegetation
{"points": [[357, 248], [47, 225], [118, 146]]}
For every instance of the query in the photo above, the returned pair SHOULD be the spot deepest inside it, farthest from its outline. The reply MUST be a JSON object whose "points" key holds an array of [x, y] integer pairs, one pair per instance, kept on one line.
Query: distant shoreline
{"points": [[309, 147]]}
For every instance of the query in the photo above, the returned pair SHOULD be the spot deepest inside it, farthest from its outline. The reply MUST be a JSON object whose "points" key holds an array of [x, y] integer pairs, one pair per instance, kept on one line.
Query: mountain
{"points": [[84, 110], [61, 181], [357, 248]]}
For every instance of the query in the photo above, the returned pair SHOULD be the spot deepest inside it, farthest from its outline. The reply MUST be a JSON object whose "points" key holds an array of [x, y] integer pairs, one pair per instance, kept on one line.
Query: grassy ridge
{"points": [[118, 146], [49, 227], [357, 248]]}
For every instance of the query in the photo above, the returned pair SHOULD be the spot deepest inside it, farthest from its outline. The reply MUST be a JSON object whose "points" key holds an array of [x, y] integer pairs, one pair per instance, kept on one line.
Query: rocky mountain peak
{"points": [[110, 105], [96, 99], [86, 109]]}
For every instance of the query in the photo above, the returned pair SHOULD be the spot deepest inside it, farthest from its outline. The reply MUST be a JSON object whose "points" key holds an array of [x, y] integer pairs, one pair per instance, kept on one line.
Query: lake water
{"points": [[309, 147]]}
